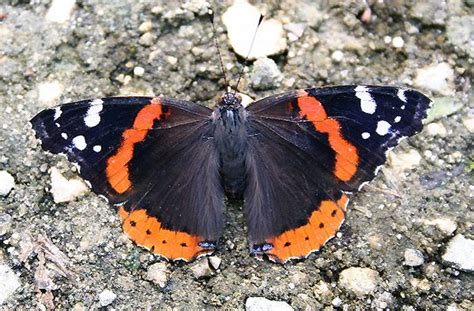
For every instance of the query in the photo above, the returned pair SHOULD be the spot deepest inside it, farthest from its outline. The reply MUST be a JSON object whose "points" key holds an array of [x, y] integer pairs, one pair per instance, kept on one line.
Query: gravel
{"points": [[7, 182]]}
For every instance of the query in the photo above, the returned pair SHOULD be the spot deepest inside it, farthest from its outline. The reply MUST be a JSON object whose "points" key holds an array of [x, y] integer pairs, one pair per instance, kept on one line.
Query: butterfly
{"points": [[167, 165]]}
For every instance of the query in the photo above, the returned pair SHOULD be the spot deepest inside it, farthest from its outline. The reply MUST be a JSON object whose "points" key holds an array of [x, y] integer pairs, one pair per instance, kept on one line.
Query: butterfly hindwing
{"points": [[144, 154], [307, 149]]}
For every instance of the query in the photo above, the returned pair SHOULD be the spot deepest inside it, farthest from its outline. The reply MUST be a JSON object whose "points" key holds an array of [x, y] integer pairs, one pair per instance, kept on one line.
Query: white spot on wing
{"points": [[93, 118], [64, 135], [57, 113], [401, 95], [397, 119], [97, 148], [382, 127], [402, 107], [367, 103], [365, 135], [79, 142]]}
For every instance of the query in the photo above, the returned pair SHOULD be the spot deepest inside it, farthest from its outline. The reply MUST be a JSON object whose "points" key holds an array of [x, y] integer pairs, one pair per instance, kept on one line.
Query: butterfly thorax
{"points": [[229, 119]]}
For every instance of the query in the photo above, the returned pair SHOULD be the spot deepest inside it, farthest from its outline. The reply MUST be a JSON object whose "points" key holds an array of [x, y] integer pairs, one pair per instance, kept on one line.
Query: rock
{"points": [[264, 304], [241, 21], [157, 273], [9, 283], [436, 129], [446, 225], [443, 106], [460, 32], [106, 297], [337, 56], [430, 12], [413, 258], [7, 182], [49, 92], [5, 224], [201, 269], [60, 10], [138, 71], [336, 302], [398, 42], [147, 39], [215, 262], [145, 27], [469, 124], [64, 190], [404, 161], [295, 30], [265, 74], [460, 253], [436, 77], [360, 281], [382, 301]]}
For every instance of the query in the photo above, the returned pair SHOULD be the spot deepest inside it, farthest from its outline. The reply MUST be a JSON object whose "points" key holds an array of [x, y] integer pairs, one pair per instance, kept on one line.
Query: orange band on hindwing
{"points": [[117, 165], [346, 153], [147, 231], [322, 225]]}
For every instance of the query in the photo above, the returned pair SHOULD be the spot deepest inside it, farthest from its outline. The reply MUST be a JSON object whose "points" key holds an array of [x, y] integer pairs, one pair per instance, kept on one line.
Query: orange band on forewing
{"points": [[346, 154], [147, 231], [321, 226], [117, 165]]}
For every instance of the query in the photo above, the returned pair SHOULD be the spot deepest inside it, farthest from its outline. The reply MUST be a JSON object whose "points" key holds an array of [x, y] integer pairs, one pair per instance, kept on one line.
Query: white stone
{"points": [[49, 92], [361, 281], [469, 124], [413, 258], [405, 161], [157, 273], [436, 129], [60, 10], [382, 128], [265, 74], [336, 302], [215, 262], [145, 26], [446, 225], [201, 269], [398, 42], [9, 283], [7, 182], [64, 190], [139, 71], [367, 103], [436, 77], [79, 142], [106, 297], [460, 253], [337, 56], [264, 304], [241, 21]]}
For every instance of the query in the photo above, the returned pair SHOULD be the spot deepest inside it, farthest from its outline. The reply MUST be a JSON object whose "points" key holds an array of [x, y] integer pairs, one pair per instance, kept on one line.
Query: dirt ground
{"points": [[66, 255]]}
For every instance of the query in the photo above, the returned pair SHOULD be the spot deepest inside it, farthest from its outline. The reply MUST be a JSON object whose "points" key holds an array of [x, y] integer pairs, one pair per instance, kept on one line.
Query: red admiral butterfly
{"points": [[168, 164]]}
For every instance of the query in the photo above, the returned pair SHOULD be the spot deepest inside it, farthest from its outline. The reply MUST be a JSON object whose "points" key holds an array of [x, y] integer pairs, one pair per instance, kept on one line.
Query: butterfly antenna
{"points": [[216, 43], [248, 53]]}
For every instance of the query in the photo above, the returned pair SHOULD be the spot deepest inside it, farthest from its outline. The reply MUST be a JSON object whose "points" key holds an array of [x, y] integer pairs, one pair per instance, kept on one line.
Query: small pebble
{"points": [[7, 182], [60, 10], [264, 304], [469, 124], [446, 225], [337, 56], [436, 77], [387, 39], [265, 74], [398, 42], [413, 258], [201, 269], [157, 273], [147, 39], [5, 224], [336, 302], [64, 190], [9, 283], [49, 92], [436, 129], [138, 71], [241, 21], [215, 262], [460, 253], [106, 297], [145, 27], [360, 281], [405, 160]]}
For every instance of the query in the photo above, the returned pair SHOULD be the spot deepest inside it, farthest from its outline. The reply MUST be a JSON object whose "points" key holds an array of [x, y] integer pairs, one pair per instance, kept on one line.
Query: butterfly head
{"points": [[230, 100]]}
